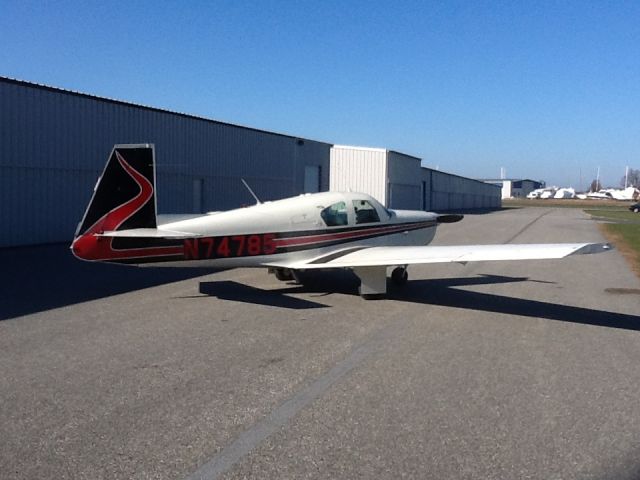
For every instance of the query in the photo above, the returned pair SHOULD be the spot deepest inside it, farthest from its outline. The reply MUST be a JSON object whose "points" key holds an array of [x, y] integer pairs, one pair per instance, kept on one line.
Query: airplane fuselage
{"points": [[295, 229]]}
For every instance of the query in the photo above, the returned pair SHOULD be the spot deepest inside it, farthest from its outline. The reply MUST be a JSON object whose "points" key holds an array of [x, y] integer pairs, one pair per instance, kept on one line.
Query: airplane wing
{"points": [[391, 256]]}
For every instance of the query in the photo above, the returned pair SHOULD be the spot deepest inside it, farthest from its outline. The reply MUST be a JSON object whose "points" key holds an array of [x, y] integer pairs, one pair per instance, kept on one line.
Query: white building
{"points": [[399, 181]]}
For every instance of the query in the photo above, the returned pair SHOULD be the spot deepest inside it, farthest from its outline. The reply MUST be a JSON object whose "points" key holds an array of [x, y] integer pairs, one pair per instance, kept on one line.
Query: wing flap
{"points": [[390, 256]]}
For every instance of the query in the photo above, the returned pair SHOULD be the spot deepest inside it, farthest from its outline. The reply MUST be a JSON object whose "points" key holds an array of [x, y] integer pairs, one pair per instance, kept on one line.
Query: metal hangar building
{"points": [[399, 181], [515, 187], [54, 144]]}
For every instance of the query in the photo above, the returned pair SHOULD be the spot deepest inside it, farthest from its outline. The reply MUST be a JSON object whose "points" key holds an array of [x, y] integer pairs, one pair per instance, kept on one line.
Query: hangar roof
{"points": [[145, 107], [509, 180]]}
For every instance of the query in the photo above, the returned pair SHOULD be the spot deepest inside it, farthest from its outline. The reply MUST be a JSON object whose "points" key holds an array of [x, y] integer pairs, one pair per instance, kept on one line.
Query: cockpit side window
{"points": [[365, 212], [335, 214]]}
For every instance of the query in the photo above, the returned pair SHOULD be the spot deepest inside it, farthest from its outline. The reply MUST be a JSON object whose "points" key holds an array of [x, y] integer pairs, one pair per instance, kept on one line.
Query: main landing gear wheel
{"points": [[399, 276], [284, 274]]}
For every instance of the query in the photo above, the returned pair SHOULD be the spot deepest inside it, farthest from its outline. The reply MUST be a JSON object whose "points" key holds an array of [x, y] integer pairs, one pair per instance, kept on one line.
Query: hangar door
{"points": [[198, 203], [311, 178]]}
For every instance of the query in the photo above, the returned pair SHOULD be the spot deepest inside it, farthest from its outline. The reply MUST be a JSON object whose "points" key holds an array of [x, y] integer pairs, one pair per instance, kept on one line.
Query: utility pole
{"points": [[580, 185], [626, 176]]}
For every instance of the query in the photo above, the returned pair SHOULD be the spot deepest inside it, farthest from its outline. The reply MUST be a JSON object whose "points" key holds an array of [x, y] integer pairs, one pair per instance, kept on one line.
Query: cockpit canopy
{"points": [[335, 214], [354, 211]]}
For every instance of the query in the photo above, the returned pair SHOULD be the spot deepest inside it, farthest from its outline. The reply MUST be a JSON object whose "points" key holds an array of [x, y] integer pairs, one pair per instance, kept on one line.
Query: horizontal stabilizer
{"points": [[148, 233], [390, 256]]}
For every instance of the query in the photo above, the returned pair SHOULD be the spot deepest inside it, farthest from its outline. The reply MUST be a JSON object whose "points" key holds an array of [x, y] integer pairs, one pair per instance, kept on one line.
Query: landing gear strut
{"points": [[373, 280]]}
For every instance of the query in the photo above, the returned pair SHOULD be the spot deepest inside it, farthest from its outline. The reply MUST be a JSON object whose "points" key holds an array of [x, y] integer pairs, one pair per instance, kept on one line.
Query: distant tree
{"points": [[633, 178], [595, 186]]}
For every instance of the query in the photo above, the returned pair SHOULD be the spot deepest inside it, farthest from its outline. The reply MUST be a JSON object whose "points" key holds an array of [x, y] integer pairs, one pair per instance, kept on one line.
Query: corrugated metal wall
{"points": [[403, 184], [451, 192], [360, 170], [54, 144], [398, 181]]}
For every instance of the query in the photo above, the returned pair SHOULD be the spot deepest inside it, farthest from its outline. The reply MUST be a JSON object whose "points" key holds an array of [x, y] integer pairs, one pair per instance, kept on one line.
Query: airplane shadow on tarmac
{"points": [[321, 284], [442, 292], [35, 279], [239, 292]]}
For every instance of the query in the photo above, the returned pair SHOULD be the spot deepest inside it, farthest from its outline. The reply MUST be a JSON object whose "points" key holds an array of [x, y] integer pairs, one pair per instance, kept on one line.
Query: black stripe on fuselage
{"points": [[126, 243], [150, 259], [333, 242], [371, 226]]}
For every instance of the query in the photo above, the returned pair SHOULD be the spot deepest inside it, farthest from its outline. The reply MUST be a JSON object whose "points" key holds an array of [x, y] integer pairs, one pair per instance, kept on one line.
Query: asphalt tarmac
{"points": [[489, 370]]}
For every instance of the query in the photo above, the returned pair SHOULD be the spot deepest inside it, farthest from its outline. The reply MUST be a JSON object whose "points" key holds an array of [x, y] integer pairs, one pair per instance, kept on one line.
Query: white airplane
{"points": [[312, 231], [565, 193], [535, 193], [629, 193]]}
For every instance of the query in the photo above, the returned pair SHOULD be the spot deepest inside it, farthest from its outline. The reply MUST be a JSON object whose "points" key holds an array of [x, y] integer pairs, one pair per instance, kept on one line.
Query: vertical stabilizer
{"points": [[124, 196]]}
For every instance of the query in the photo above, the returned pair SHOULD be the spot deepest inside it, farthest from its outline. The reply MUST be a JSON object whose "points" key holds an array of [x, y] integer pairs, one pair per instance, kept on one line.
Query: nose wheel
{"points": [[399, 276]]}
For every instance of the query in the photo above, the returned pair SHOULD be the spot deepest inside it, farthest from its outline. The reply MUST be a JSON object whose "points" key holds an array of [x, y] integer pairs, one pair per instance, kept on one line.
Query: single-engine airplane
{"points": [[311, 231]]}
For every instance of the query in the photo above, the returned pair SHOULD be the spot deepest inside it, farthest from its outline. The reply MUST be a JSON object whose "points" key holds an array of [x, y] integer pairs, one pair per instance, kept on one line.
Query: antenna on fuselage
{"points": [[251, 191]]}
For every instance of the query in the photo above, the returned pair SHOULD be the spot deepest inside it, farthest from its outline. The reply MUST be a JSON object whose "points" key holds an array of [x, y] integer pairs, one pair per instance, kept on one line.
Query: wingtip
{"points": [[591, 248]]}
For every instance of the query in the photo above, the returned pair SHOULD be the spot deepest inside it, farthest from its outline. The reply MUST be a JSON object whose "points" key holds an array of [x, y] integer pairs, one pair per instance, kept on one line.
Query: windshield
{"points": [[335, 214]]}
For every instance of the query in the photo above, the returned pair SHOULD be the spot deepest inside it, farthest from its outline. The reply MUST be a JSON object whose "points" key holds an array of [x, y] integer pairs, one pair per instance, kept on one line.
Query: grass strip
{"points": [[615, 215], [626, 238]]}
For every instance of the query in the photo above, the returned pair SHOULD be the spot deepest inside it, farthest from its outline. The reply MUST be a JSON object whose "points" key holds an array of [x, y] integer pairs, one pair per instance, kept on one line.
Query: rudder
{"points": [[124, 196]]}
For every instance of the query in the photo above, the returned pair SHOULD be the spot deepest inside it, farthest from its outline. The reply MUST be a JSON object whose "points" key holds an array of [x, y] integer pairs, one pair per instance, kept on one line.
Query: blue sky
{"points": [[548, 90]]}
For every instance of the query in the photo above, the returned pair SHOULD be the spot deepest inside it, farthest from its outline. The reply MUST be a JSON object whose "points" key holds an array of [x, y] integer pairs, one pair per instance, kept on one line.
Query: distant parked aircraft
{"points": [[565, 193], [629, 193]]}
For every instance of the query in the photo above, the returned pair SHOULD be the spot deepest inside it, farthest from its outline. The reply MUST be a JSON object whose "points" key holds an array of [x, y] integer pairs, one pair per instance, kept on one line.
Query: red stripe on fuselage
{"points": [[90, 246], [96, 248]]}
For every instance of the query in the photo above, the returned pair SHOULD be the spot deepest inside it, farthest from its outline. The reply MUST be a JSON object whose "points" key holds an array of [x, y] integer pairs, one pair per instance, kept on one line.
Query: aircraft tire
{"points": [[399, 276], [284, 274]]}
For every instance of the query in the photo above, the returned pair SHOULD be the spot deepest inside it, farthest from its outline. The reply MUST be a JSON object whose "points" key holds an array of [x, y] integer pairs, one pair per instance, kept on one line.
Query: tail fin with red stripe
{"points": [[124, 197]]}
